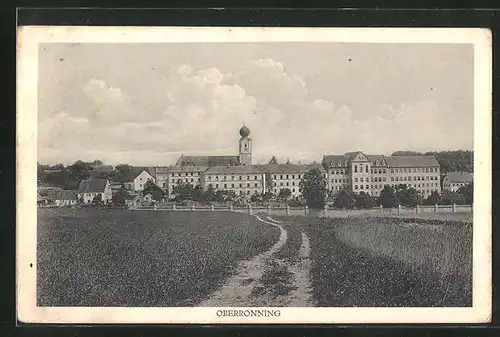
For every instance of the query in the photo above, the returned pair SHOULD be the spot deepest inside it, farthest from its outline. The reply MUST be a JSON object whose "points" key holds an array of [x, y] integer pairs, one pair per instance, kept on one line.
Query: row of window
{"points": [[287, 176], [366, 169], [406, 178], [382, 186], [415, 170], [361, 166], [283, 184], [232, 178], [275, 191], [185, 174], [184, 180], [368, 179]]}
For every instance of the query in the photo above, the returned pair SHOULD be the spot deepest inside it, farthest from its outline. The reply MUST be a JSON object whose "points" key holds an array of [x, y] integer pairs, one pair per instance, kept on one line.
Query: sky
{"points": [[146, 104]]}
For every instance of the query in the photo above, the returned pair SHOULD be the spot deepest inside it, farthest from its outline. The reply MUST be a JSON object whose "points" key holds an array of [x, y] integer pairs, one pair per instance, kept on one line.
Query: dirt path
{"points": [[249, 286]]}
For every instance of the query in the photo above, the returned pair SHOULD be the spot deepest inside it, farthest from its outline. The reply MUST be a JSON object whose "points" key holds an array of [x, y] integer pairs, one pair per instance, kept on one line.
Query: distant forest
{"points": [[462, 161]]}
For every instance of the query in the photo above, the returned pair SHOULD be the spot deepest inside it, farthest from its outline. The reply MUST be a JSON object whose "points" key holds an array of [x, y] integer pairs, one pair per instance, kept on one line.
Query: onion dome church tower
{"points": [[245, 146]]}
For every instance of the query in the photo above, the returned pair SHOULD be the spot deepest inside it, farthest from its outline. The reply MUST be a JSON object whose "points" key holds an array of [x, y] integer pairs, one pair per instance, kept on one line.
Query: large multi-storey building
{"points": [[370, 173], [289, 175], [353, 170]]}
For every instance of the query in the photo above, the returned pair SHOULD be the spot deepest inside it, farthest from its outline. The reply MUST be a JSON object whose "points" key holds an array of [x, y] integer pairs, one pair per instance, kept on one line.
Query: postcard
{"points": [[230, 175]]}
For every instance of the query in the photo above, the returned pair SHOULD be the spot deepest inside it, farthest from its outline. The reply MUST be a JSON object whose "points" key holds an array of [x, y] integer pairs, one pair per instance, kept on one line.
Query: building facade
{"points": [[244, 179], [454, 180], [288, 176], [90, 188], [370, 173], [352, 170]]}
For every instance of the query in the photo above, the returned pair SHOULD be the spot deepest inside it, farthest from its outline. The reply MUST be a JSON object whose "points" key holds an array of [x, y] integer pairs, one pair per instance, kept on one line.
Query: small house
{"points": [[60, 198], [454, 180], [91, 188]]}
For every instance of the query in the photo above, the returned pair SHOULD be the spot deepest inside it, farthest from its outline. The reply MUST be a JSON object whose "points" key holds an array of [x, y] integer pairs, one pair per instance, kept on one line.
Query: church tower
{"points": [[245, 146]]}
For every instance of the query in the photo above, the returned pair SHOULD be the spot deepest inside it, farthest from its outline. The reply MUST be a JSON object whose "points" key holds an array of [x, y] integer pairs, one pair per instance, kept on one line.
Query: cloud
{"points": [[199, 111]]}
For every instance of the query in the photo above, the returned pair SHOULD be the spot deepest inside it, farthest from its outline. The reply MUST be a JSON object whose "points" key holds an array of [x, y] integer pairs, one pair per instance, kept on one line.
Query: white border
{"points": [[27, 56]]}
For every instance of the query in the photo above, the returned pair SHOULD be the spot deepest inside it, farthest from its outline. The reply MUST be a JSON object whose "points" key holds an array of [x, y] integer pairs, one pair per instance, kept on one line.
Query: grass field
{"points": [[147, 258], [377, 261], [155, 258]]}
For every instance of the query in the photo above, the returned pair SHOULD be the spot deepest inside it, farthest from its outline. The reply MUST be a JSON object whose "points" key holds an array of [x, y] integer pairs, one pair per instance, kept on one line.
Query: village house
{"points": [[90, 188], [136, 179], [454, 180], [60, 198]]}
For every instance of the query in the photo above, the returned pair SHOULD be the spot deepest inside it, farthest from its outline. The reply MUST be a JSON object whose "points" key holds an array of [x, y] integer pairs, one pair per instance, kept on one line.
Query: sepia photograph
{"points": [[253, 175]]}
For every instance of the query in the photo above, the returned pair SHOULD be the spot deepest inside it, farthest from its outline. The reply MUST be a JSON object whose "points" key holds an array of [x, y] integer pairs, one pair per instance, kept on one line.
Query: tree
{"points": [[120, 197], [284, 194], [209, 193], [313, 188], [268, 196], [197, 194], [364, 200], [467, 193], [388, 198], [344, 198], [121, 172], [273, 160], [77, 172], [150, 183], [448, 198], [432, 199], [407, 196], [269, 182], [97, 200], [183, 191], [406, 153], [97, 163]]}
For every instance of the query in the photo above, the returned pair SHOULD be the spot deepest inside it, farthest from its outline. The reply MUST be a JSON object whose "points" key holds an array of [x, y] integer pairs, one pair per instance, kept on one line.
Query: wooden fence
{"points": [[327, 212]]}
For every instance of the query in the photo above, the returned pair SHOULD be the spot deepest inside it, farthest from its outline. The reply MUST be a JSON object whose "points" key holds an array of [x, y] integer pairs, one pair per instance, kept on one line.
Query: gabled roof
{"points": [[335, 160], [291, 168], [92, 186], [177, 169], [61, 195], [376, 159], [131, 175], [208, 160], [460, 177], [42, 190], [412, 161], [153, 186], [239, 169], [392, 161]]}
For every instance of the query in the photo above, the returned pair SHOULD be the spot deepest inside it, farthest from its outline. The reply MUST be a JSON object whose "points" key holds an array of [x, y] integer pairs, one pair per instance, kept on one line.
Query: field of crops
{"points": [[376, 261], [147, 258]]}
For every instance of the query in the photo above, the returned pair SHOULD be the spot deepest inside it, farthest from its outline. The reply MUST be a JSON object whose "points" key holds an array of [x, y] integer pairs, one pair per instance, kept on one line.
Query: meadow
{"points": [[146, 258], [389, 261], [160, 258]]}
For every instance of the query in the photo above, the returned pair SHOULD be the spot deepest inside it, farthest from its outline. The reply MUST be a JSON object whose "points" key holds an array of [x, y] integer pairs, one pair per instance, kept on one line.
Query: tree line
{"points": [[402, 195], [69, 177]]}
